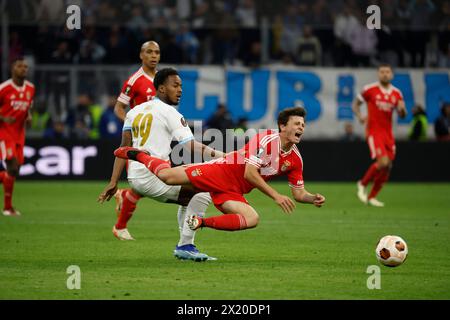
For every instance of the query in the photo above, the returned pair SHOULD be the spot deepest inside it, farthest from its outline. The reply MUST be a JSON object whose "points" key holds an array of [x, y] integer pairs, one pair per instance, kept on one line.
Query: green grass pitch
{"points": [[312, 254]]}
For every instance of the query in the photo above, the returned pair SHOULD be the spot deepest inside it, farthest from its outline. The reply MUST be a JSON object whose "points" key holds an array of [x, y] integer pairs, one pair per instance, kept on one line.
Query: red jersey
{"points": [[380, 104], [137, 89], [15, 102], [264, 152]]}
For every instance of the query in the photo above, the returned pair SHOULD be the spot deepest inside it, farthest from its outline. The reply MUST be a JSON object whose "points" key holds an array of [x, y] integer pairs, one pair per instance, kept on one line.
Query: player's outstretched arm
{"points": [[207, 152], [302, 195], [401, 109], [356, 107], [253, 176], [119, 165], [29, 119], [119, 110]]}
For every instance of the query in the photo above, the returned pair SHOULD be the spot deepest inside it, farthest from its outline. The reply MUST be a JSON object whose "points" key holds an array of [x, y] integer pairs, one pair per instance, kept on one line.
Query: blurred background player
{"points": [[137, 89], [267, 155], [152, 126], [442, 123], [381, 98], [16, 99], [419, 124]]}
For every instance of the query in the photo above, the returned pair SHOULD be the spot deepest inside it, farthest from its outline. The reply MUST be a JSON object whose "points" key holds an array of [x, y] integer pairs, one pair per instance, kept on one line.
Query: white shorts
{"points": [[150, 186]]}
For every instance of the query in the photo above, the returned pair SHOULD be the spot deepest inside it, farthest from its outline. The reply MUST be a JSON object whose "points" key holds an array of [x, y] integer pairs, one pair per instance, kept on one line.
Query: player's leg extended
{"points": [[186, 248], [375, 149], [197, 206], [130, 199], [373, 143], [384, 165], [238, 216], [159, 167], [118, 196], [9, 178], [2, 158], [150, 186]]}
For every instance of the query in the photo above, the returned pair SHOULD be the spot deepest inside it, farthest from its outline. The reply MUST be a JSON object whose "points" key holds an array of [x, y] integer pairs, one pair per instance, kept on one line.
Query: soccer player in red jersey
{"points": [[136, 89], [16, 99], [382, 98], [139, 87], [267, 155]]}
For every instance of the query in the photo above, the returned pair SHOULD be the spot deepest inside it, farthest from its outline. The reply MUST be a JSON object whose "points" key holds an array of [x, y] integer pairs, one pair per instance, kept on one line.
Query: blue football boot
{"points": [[190, 252]]}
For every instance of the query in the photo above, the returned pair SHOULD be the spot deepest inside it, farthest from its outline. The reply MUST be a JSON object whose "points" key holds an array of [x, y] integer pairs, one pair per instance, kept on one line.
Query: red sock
{"points": [[230, 222], [8, 187], [153, 164], [370, 174], [2, 175], [378, 182], [130, 200]]}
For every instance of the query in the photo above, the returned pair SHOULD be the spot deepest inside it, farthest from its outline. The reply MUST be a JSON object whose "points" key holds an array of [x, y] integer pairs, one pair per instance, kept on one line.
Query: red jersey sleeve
{"points": [[2, 94], [295, 175], [364, 95], [127, 93], [399, 96]]}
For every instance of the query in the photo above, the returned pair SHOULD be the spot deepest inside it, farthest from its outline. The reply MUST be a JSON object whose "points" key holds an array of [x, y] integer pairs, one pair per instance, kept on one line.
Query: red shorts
{"points": [[381, 146], [213, 179], [10, 149]]}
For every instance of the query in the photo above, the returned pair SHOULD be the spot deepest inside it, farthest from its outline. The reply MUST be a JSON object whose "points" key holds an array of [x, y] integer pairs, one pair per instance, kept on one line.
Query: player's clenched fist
{"points": [[319, 200]]}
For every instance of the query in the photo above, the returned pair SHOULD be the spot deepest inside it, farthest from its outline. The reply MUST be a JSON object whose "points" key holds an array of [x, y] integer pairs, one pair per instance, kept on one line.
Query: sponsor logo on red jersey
{"points": [[286, 164], [196, 173]]}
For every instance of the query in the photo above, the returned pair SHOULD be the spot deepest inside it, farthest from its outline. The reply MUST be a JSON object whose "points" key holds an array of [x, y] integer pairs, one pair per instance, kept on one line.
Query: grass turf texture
{"points": [[313, 254]]}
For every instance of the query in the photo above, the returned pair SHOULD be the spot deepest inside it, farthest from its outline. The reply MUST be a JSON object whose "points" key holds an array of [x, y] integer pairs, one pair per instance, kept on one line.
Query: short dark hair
{"points": [[162, 75], [16, 59], [283, 116], [384, 65]]}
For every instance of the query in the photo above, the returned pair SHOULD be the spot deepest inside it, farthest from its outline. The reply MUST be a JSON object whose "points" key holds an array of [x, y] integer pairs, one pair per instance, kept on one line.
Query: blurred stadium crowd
{"points": [[414, 33]]}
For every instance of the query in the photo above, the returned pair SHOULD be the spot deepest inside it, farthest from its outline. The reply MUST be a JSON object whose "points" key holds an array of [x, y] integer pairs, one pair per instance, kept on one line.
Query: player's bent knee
{"points": [[252, 221], [383, 163]]}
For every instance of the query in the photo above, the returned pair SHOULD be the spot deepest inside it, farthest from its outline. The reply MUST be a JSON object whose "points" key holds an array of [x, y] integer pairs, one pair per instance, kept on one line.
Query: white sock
{"points": [[181, 216], [198, 205]]}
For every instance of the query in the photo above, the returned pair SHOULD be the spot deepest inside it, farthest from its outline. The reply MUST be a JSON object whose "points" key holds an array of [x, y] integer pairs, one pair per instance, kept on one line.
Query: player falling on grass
{"points": [[152, 126], [382, 98], [267, 155], [16, 100], [139, 88]]}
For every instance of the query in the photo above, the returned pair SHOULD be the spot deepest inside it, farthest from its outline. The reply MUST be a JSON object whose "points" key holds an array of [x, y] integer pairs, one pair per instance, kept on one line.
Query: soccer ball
{"points": [[391, 251]]}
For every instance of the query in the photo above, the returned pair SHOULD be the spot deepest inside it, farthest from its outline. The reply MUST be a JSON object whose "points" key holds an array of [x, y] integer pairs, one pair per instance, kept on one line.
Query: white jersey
{"points": [[153, 125]]}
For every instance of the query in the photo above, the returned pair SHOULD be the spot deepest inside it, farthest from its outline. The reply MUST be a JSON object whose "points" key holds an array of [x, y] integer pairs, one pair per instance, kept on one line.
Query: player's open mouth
{"points": [[298, 134]]}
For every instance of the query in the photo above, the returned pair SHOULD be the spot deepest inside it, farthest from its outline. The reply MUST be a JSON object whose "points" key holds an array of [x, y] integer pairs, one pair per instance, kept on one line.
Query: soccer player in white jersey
{"points": [[151, 126]]}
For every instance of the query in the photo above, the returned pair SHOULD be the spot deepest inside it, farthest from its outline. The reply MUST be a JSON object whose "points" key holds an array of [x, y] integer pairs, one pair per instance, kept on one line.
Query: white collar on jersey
{"points": [[281, 149], [18, 88], [145, 74], [385, 91]]}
